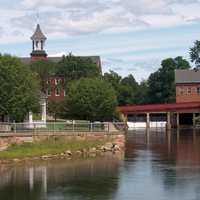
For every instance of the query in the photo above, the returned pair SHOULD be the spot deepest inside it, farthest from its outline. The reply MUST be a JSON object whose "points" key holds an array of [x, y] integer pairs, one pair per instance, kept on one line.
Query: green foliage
{"points": [[91, 99], [43, 69], [113, 78], [55, 108], [141, 95], [126, 88], [19, 89], [161, 84], [195, 53], [74, 68]]}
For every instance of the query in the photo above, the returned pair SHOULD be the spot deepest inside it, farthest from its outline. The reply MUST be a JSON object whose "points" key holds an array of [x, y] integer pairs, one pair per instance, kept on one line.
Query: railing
{"points": [[62, 127]]}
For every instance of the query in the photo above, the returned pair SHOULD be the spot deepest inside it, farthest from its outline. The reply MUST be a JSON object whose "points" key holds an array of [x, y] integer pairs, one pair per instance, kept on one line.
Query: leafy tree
{"points": [[91, 99], [141, 94], [19, 89], [74, 68], [126, 88], [195, 53], [113, 78], [55, 108], [43, 69], [161, 84]]}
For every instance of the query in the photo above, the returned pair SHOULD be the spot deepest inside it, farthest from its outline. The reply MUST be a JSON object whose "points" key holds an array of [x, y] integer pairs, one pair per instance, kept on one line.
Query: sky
{"points": [[132, 37]]}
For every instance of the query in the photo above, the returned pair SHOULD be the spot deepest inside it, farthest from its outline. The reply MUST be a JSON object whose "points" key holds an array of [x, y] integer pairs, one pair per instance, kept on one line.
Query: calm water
{"points": [[157, 166]]}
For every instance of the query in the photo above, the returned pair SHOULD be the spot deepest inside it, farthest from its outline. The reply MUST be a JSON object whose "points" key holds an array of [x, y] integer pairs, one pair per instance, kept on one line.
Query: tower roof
{"points": [[38, 35]]}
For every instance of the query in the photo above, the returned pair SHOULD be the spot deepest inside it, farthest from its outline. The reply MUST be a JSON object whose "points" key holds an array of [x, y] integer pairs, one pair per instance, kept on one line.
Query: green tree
{"points": [[195, 53], [141, 94], [74, 68], [126, 88], [43, 69], [91, 99], [161, 84], [113, 78], [19, 89], [55, 108]]}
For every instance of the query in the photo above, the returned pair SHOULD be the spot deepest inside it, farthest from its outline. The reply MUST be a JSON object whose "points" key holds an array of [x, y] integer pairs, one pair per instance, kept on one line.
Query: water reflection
{"points": [[157, 165], [169, 163], [96, 179]]}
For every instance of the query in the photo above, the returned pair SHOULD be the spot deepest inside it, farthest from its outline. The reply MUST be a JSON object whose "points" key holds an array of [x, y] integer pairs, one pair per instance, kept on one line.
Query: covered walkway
{"points": [[161, 115]]}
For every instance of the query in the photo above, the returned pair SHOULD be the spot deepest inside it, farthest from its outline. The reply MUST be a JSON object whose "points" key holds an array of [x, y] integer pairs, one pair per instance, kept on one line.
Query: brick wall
{"points": [[187, 93], [56, 88]]}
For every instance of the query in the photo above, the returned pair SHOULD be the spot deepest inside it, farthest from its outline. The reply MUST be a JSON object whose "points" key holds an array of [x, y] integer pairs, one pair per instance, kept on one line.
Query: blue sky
{"points": [[130, 36]]}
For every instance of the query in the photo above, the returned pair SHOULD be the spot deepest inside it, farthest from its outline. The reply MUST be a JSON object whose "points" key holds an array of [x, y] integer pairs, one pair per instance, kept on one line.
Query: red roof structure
{"points": [[153, 108]]}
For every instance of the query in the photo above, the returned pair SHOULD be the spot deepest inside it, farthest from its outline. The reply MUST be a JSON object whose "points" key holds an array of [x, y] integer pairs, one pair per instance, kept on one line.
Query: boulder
{"points": [[68, 152]]}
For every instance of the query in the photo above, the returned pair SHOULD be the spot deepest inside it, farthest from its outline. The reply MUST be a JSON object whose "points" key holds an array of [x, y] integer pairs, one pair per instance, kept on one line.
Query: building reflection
{"points": [[61, 180], [174, 155]]}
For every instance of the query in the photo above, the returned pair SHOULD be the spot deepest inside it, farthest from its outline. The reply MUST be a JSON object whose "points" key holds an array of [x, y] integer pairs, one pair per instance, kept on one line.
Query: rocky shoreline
{"points": [[109, 147]]}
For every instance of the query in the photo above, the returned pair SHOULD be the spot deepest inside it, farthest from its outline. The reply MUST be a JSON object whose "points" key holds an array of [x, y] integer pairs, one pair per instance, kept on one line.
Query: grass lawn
{"points": [[50, 146]]}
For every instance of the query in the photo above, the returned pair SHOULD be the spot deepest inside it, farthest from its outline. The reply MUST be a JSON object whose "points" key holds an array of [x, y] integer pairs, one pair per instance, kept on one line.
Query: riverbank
{"points": [[61, 148]]}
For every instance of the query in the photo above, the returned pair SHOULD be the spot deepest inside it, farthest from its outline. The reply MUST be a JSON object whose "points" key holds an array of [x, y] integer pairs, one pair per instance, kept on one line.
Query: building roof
{"points": [[131, 109], [38, 35], [95, 59], [187, 76]]}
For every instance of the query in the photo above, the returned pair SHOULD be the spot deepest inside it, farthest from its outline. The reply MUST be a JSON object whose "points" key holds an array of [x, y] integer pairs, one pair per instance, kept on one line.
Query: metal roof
{"points": [[131, 109], [187, 76], [38, 35]]}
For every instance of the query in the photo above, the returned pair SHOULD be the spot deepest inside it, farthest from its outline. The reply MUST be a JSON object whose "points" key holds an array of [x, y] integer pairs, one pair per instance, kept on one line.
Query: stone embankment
{"points": [[115, 146]]}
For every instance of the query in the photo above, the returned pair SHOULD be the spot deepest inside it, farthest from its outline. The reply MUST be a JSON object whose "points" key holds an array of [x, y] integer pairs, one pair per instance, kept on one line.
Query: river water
{"points": [[156, 166]]}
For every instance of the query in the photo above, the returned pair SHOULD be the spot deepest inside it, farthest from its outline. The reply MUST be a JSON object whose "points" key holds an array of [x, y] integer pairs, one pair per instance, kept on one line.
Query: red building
{"points": [[187, 86], [55, 90], [181, 113]]}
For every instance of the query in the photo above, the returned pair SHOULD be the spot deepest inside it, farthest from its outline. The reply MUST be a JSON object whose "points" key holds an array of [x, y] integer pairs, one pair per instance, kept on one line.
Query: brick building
{"points": [[56, 89], [187, 86], [181, 113]]}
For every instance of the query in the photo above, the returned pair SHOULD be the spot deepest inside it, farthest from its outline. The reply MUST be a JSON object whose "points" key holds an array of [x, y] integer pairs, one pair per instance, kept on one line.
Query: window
{"points": [[48, 92], [57, 81], [181, 91], [189, 90], [198, 90], [57, 92]]}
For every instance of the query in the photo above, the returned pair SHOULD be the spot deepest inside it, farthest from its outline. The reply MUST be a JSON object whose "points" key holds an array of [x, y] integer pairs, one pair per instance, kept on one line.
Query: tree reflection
{"points": [[88, 179]]}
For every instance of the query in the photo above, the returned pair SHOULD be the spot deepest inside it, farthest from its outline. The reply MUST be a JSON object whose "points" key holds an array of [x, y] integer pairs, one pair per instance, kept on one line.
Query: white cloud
{"points": [[77, 17]]}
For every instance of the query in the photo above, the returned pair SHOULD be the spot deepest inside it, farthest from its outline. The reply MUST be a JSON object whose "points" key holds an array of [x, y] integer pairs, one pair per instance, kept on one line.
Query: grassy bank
{"points": [[50, 146]]}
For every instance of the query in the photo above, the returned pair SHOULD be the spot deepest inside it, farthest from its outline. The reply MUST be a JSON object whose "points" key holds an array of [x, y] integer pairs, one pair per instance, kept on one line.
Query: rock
{"points": [[93, 150], [45, 157], [68, 152], [109, 145], [84, 151], [16, 160], [78, 153], [116, 148], [4, 147]]}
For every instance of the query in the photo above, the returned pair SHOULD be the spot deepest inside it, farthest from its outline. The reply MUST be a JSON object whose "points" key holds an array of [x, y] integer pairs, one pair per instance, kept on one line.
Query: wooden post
{"points": [[194, 119], [148, 120], [177, 120], [168, 121]]}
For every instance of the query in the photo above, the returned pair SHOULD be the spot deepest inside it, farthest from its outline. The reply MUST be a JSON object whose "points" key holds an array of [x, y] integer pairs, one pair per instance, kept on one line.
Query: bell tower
{"points": [[38, 44]]}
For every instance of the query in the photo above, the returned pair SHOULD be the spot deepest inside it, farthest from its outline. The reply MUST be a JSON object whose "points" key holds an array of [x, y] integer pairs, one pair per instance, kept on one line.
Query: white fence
{"points": [[51, 127]]}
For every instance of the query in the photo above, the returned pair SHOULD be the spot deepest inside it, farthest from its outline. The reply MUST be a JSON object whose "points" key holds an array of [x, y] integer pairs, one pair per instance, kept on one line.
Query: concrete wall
{"points": [[135, 125]]}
